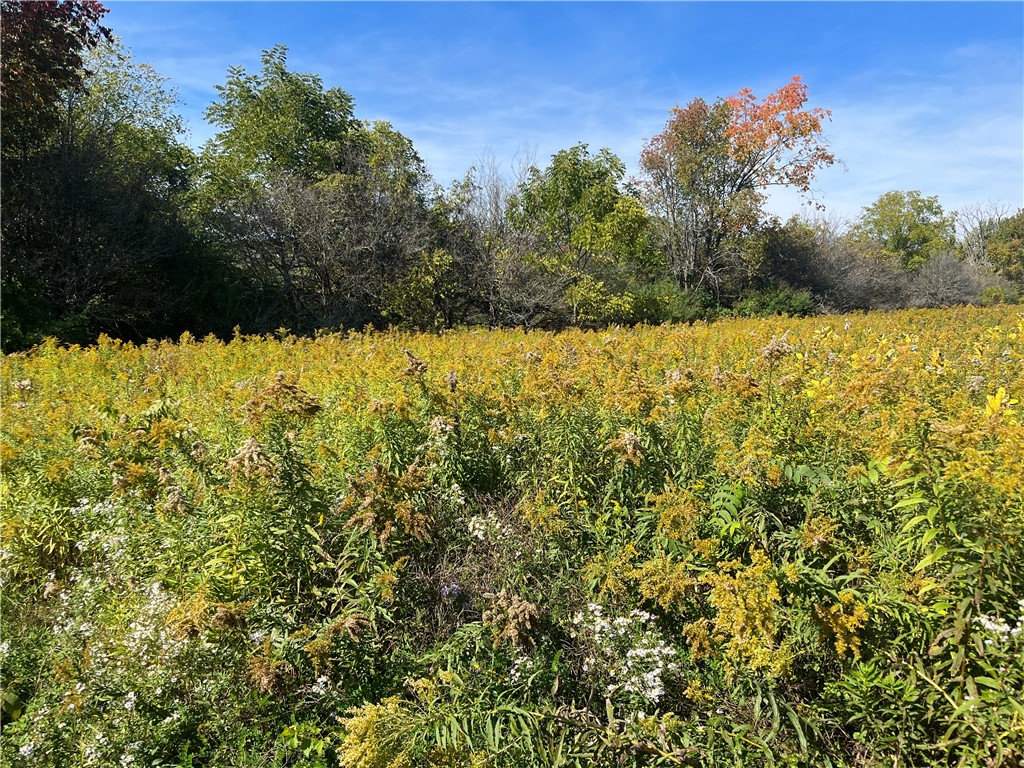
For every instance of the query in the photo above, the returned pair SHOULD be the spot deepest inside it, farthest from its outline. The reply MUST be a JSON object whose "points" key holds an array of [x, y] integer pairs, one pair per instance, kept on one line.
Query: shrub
{"points": [[775, 300], [665, 302]]}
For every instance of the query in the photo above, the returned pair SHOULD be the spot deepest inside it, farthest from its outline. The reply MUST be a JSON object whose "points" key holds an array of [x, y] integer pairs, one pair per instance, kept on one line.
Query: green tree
{"points": [[94, 226], [314, 212], [586, 232], [278, 121], [1006, 247], [381, 224], [565, 203], [280, 133], [907, 228]]}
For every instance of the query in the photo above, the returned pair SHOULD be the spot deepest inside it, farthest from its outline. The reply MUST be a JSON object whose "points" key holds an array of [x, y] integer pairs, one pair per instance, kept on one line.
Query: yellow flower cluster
{"points": [[745, 598], [844, 619], [370, 732]]}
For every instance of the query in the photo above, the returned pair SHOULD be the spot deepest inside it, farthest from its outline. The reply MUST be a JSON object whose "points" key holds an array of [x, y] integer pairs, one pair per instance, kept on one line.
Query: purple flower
{"points": [[451, 591]]}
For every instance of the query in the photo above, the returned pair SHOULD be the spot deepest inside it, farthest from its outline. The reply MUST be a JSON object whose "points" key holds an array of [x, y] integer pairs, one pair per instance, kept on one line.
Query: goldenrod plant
{"points": [[762, 542]]}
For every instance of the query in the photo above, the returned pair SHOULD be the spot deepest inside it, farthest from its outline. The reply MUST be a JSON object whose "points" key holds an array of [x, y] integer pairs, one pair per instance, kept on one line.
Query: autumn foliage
{"points": [[706, 172], [300, 214], [43, 45], [775, 140]]}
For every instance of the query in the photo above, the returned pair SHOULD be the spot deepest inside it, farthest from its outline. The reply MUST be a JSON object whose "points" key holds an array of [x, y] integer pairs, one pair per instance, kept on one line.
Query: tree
{"points": [[94, 225], [587, 234], [382, 218], [277, 122], [564, 204], [907, 228], [460, 280], [818, 255], [1005, 246], [706, 172], [315, 211], [501, 282], [43, 43], [946, 280], [975, 225]]}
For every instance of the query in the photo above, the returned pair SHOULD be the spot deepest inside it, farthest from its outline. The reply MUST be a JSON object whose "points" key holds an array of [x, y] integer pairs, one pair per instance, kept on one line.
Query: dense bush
{"points": [[775, 300], [666, 302], [760, 542]]}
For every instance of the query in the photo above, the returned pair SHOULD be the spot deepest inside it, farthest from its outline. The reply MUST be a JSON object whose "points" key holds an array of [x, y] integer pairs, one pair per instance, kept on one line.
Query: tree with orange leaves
{"points": [[706, 172]]}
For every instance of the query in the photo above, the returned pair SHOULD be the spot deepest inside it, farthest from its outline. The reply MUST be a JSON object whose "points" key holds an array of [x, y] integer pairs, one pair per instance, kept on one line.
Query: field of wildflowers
{"points": [[759, 542]]}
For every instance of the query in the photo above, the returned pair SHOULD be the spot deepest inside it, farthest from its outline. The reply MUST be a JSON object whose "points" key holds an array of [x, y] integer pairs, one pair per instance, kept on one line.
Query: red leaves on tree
{"points": [[43, 43], [755, 143], [707, 169]]}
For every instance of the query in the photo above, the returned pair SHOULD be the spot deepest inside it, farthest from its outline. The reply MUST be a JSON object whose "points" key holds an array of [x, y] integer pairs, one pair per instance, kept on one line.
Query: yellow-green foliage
{"points": [[844, 619], [798, 541], [745, 599], [371, 736]]}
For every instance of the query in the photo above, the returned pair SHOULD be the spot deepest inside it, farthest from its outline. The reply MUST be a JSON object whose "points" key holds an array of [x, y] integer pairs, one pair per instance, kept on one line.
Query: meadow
{"points": [[770, 542]]}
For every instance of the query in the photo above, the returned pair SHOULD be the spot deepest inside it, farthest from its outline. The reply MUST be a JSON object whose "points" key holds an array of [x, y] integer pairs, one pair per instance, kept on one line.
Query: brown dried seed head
{"points": [[416, 366], [776, 349]]}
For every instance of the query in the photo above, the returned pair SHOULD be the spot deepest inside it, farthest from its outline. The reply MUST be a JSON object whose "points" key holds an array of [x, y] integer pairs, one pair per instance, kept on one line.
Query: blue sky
{"points": [[926, 96]]}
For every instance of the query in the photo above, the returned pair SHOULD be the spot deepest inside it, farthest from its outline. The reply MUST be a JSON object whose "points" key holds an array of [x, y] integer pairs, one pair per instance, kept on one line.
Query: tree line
{"points": [[299, 215]]}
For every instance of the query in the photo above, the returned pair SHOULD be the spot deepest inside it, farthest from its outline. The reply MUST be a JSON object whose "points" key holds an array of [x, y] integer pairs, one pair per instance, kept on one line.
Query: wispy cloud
{"points": [[958, 134], [936, 106]]}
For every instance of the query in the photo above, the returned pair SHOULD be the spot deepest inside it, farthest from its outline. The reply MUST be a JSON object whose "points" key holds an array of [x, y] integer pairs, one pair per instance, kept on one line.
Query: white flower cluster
{"points": [[258, 635], [107, 535], [629, 651], [488, 528], [128, 757], [1000, 629], [521, 669], [439, 444], [320, 686], [440, 427], [136, 661], [104, 509], [455, 495]]}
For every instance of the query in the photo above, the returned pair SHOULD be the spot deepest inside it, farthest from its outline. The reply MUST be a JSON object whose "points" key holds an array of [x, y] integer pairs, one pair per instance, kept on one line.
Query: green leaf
{"points": [[12, 705], [933, 558], [914, 521], [911, 501], [799, 730], [930, 534]]}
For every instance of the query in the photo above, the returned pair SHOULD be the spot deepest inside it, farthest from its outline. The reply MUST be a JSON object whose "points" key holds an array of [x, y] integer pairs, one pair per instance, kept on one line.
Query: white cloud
{"points": [[951, 126]]}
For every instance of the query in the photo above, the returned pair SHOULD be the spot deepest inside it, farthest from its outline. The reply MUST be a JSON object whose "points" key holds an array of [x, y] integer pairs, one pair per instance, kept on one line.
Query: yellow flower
{"points": [[843, 620], [746, 618], [999, 403]]}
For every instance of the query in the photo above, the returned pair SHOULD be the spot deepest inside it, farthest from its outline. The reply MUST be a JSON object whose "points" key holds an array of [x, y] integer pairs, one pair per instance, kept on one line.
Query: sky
{"points": [[925, 96]]}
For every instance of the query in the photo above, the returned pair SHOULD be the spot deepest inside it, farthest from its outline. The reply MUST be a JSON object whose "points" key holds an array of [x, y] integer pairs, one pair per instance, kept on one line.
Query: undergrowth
{"points": [[760, 542]]}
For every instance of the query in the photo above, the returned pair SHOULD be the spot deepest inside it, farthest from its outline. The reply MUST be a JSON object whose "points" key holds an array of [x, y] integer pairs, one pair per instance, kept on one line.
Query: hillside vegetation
{"points": [[758, 542]]}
